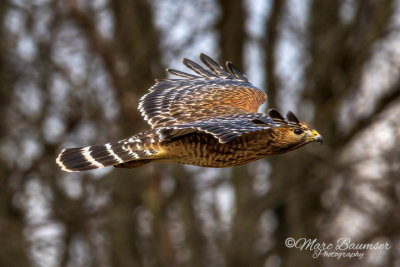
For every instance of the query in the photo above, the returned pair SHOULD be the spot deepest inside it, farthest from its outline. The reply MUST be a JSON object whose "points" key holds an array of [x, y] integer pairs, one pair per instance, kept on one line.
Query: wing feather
{"points": [[215, 67], [198, 69], [215, 93], [236, 72], [223, 128], [183, 74]]}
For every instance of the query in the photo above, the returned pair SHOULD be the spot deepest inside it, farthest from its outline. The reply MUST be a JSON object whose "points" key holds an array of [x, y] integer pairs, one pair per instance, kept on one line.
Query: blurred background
{"points": [[72, 72]]}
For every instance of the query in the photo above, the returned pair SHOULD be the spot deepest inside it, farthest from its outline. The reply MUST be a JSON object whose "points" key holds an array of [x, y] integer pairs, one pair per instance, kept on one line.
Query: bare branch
{"points": [[392, 96]]}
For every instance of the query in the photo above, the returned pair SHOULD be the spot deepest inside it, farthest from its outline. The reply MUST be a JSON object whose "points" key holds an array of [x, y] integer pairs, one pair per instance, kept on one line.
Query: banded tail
{"points": [[127, 153]]}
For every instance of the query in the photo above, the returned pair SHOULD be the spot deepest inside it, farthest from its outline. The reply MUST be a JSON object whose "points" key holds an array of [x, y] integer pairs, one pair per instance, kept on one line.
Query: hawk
{"points": [[210, 119]]}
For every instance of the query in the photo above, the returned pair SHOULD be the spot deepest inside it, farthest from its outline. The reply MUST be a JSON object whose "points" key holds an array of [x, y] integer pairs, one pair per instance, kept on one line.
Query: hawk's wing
{"points": [[216, 92], [224, 128]]}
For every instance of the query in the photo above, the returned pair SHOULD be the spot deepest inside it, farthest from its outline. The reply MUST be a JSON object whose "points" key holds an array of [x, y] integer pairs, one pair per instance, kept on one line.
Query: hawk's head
{"points": [[292, 133]]}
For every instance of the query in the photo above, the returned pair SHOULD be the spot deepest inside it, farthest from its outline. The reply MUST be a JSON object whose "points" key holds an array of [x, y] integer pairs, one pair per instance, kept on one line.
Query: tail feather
{"points": [[99, 156]]}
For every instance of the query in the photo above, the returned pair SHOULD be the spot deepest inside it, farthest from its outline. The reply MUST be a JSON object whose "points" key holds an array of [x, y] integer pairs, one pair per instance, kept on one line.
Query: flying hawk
{"points": [[210, 119]]}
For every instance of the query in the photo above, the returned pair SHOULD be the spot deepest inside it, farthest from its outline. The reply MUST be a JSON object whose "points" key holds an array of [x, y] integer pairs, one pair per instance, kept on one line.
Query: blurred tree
{"points": [[12, 243]]}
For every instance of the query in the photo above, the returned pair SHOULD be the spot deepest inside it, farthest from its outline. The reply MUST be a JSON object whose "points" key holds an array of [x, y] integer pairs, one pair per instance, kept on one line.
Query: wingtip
{"points": [[276, 116], [292, 118], [168, 70], [236, 72], [204, 57]]}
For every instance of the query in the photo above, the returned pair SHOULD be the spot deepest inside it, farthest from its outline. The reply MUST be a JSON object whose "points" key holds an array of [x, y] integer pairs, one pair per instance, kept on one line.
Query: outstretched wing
{"points": [[227, 127], [224, 128], [215, 92]]}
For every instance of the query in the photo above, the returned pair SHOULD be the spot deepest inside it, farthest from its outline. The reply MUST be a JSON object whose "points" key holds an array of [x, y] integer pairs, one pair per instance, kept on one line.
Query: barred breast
{"points": [[204, 150]]}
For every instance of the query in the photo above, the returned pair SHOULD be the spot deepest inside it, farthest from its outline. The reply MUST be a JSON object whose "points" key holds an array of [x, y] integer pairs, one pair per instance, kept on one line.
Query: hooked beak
{"points": [[317, 137]]}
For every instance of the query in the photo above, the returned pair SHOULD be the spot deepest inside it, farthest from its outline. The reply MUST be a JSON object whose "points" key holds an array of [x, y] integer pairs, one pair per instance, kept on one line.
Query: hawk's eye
{"points": [[298, 131]]}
